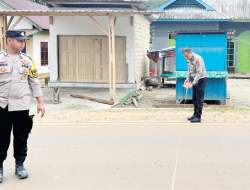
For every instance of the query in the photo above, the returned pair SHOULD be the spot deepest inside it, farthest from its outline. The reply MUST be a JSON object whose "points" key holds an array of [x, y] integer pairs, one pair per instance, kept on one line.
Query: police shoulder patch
{"points": [[33, 71]]}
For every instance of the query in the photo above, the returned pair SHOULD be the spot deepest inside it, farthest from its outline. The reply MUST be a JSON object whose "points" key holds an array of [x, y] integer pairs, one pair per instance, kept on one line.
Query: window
{"points": [[44, 54], [230, 53]]}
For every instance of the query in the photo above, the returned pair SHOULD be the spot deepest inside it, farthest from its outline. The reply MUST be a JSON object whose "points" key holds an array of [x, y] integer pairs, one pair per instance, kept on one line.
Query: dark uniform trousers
{"points": [[19, 121], [198, 97]]}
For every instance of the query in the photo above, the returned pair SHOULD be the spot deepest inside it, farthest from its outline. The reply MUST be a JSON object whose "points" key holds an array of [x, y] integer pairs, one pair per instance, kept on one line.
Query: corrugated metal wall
{"points": [[216, 89], [212, 47]]}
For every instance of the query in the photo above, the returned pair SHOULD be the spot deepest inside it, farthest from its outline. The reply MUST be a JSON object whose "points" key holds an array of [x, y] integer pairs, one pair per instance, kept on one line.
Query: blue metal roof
{"points": [[163, 7]]}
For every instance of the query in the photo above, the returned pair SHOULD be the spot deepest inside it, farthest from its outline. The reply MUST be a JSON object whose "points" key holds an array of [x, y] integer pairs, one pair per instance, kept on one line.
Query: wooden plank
{"points": [[51, 20], [93, 99], [10, 21], [97, 23], [123, 100], [16, 23]]}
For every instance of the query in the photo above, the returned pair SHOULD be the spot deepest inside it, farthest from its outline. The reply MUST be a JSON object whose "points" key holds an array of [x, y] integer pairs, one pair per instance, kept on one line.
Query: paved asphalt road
{"points": [[134, 157]]}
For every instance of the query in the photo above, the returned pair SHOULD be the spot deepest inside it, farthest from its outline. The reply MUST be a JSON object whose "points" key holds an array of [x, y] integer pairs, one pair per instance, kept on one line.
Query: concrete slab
{"points": [[214, 157], [97, 157], [239, 75]]}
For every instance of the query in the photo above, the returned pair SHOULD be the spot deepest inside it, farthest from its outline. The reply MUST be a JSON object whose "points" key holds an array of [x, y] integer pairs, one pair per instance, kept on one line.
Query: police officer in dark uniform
{"points": [[18, 75], [196, 70]]}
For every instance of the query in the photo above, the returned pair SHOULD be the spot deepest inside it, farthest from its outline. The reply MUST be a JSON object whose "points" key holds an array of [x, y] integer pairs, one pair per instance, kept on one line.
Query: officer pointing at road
{"points": [[17, 76], [196, 70]]}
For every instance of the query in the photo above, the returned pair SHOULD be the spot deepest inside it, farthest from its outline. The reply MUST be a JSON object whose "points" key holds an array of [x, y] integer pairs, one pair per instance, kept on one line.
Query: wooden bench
{"points": [[230, 67]]}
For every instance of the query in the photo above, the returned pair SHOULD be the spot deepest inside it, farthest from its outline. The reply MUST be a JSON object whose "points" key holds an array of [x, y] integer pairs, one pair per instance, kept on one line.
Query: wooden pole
{"points": [[16, 23], [97, 23], [93, 99], [4, 31], [10, 21], [1, 33], [112, 76], [51, 20]]}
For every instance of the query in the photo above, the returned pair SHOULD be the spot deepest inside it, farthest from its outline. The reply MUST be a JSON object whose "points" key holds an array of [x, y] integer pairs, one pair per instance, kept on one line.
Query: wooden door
{"points": [[67, 61], [120, 59], [101, 61], [85, 59]]}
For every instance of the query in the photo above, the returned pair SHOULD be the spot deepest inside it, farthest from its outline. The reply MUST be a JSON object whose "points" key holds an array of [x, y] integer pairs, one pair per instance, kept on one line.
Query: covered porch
{"points": [[110, 33]]}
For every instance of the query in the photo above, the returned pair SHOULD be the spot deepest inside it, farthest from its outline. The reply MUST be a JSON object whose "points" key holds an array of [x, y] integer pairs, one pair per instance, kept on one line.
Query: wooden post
{"points": [[10, 21], [159, 71], [99, 25], [112, 76], [131, 21], [16, 23], [1, 33], [4, 30], [51, 20]]}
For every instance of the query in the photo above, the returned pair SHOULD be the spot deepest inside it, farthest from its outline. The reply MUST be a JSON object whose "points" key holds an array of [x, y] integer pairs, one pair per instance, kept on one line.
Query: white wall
{"points": [[23, 24], [142, 38], [37, 39], [82, 25]]}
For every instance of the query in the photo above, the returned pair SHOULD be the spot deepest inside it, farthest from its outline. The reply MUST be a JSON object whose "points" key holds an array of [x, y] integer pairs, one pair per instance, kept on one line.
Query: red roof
{"points": [[41, 21]]}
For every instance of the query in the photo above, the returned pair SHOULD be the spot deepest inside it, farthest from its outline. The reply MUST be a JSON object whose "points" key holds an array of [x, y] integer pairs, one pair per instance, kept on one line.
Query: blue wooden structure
{"points": [[212, 47]]}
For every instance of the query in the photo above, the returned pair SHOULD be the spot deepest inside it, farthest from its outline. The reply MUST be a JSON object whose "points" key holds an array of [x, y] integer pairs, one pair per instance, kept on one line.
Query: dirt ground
{"points": [[81, 113], [239, 90]]}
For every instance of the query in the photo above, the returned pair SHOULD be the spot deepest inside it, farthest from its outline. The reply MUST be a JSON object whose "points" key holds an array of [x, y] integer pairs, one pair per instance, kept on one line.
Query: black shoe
{"points": [[1, 173], [190, 118], [196, 120], [21, 172]]}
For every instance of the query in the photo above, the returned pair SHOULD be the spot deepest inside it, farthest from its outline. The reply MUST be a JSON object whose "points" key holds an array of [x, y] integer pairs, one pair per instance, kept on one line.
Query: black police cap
{"points": [[18, 34]]}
